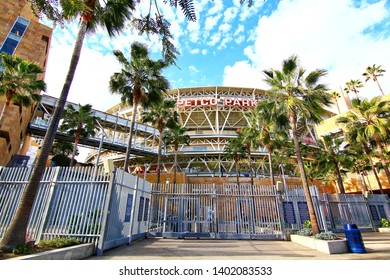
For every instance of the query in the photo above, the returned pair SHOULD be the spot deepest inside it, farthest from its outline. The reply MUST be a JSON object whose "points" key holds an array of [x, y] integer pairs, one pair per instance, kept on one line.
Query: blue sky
{"points": [[231, 44]]}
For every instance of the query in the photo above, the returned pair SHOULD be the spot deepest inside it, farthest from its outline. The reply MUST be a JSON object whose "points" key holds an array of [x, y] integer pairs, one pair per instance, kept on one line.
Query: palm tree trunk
{"points": [[16, 232], [160, 141], [128, 149], [367, 152], [380, 88], [305, 183], [364, 186], [237, 177], [338, 175], [250, 163], [76, 141], [357, 96], [271, 169], [175, 169], [6, 104], [383, 159], [337, 104]]}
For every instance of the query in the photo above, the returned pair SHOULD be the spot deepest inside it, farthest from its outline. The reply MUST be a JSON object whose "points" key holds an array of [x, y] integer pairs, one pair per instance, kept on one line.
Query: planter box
{"points": [[338, 246], [384, 229], [77, 252]]}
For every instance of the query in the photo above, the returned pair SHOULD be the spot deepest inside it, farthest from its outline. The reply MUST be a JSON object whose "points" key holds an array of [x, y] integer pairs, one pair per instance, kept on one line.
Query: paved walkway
{"points": [[377, 246]]}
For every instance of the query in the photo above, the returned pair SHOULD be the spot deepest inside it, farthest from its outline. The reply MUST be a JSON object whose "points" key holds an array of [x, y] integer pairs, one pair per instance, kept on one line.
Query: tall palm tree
{"points": [[19, 81], [139, 82], [373, 73], [369, 120], [273, 130], [249, 139], [353, 85], [335, 96], [236, 150], [79, 123], [176, 136], [359, 163], [161, 115], [299, 96], [330, 157], [112, 16]]}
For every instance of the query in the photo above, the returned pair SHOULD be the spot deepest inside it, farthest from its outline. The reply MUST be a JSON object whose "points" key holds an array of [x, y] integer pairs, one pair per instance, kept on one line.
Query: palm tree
{"points": [[112, 16], [369, 120], [235, 149], [373, 73], [299, 96], [330, 157], [79, 123], [62, 148], [19, 81], [249, 137], [161, 115], [335, 95], [176, 136], [353, 85], [359, 163], [354, 138], [273, 127], [139, 82]]}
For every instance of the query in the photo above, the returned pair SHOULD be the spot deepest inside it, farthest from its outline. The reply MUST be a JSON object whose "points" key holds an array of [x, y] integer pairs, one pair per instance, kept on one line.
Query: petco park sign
{"points": [[212, 101]]}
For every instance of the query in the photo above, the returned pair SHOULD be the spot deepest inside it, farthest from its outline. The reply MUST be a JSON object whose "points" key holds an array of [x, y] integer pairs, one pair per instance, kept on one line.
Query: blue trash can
{"points": [[354, 238]]}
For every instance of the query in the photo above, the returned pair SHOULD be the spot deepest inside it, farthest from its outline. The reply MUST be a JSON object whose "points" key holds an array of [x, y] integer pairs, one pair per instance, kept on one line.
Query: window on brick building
{"points": [[14, 36]]}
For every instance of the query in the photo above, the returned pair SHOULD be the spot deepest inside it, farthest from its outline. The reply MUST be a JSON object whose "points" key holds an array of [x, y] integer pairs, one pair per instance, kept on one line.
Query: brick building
{"points": [[23, 35]]}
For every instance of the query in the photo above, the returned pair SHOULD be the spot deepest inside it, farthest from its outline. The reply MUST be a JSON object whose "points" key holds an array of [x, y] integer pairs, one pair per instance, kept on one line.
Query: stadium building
{"points": [[212, 115]]}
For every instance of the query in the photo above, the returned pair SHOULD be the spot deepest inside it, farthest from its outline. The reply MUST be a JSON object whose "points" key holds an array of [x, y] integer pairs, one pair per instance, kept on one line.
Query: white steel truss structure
{"points": [[212, 116]]}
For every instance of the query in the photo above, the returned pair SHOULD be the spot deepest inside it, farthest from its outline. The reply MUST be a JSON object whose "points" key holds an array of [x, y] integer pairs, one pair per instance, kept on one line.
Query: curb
{"points": [[78, 252]]}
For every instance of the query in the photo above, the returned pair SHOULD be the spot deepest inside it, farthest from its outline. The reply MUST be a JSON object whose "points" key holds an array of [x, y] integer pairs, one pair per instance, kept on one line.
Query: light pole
{"points": [[282, 169]]}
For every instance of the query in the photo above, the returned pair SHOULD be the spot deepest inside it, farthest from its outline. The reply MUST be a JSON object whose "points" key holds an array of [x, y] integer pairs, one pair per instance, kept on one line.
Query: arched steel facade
{"points": [[213, 115]]}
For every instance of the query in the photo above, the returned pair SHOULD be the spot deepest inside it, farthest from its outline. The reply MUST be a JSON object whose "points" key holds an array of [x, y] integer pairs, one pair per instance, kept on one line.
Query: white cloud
{"points": [[192, 68], [230, 14], [214, 39], [326, 34], [242, 74], [239, 39], [225, 27], [217, 8], [194, 51], [204, 51], [224, 42], [193, 30], [247, 12], [90, 83], [211, 22]]}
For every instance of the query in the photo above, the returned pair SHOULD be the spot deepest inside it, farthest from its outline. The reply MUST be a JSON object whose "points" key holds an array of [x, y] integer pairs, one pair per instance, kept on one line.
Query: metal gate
{"points": [[217, 211]]}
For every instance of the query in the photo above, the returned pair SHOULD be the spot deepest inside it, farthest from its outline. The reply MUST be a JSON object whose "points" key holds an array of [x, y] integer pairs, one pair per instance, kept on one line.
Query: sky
{"points": [[231, 44]]}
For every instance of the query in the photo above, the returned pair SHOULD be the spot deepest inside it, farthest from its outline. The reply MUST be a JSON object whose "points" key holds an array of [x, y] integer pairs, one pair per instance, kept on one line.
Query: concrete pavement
{"points": [[377, 246]]}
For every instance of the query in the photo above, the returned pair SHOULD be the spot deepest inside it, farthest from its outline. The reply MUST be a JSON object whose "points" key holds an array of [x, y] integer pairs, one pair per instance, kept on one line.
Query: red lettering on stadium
{"points": [[212, 101]]}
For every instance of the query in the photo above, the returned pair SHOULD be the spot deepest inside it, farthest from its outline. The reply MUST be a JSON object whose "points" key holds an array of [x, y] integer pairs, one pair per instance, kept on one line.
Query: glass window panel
{"points": [[18, 29], [9, 46]]}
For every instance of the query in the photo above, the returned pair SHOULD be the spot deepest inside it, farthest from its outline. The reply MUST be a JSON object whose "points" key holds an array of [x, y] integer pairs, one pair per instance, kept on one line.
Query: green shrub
{"points": [[60, 242], [23, 249], [305, 232], [384, 223], [328, 235], [307, 224]]}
